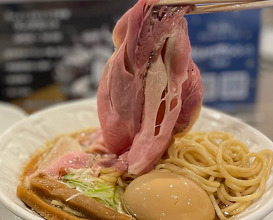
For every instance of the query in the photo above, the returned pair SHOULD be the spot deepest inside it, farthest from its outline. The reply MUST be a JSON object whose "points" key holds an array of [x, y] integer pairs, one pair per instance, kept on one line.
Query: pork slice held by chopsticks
{"points": [[44, 189], [150, 88]]}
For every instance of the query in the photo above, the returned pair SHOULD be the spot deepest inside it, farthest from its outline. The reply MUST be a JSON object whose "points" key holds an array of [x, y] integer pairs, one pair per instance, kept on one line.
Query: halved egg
{"points": [[167, 196]]}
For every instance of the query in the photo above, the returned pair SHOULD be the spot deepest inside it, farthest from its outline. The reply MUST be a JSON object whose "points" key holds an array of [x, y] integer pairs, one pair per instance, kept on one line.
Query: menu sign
{"points": [[55, 50], [225, 47]]}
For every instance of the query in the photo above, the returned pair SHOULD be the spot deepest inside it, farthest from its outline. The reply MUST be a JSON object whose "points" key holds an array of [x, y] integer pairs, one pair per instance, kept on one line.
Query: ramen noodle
{"points": [[232, 176]]}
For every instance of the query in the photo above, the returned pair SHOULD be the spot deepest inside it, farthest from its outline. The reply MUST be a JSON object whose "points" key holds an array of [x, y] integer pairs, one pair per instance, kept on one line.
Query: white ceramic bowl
{"points": [[19, 142]]}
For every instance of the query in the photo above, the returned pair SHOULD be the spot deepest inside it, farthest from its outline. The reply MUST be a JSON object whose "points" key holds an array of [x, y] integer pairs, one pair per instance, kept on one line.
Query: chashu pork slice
{"points": [[65, 153], [150, 88]]}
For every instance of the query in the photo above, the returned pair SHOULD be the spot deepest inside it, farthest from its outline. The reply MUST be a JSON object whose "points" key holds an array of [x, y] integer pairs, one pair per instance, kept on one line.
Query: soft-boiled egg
{"points": [[167, 196]]}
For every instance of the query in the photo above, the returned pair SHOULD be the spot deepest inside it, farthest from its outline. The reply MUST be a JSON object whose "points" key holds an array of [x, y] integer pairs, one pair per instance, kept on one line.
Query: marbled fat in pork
{"points": [[150, 87]]}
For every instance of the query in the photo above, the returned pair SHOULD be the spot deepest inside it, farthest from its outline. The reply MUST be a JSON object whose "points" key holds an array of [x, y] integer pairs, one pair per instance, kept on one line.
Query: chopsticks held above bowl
{"points": [[210, 6]]}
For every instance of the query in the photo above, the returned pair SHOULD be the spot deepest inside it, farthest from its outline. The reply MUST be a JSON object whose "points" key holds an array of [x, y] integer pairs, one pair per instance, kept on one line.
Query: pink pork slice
{"points": [[66, 153], [150, 87]]}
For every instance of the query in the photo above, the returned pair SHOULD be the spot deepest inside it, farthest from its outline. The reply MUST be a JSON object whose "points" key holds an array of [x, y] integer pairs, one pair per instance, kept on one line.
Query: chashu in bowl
{"points": [[23, 139]]}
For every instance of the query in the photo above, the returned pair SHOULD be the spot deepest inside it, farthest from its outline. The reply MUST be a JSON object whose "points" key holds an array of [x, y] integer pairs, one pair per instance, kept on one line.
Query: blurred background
{"points": [[53, 51]]}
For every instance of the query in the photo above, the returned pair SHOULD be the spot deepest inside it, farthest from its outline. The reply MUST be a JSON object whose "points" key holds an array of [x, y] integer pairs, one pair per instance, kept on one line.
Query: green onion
{"points": [[93, 187]]}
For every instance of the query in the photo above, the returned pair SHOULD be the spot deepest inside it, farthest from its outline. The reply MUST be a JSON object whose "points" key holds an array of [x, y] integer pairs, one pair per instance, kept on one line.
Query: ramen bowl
{"points": [[30, 134]]}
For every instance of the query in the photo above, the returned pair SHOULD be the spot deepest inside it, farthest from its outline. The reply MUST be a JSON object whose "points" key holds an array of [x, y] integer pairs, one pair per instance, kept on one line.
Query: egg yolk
{"points": [[167, 196]]}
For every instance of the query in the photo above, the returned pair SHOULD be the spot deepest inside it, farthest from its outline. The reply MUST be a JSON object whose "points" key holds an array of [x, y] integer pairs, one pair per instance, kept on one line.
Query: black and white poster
{"points": [[55, 50]]}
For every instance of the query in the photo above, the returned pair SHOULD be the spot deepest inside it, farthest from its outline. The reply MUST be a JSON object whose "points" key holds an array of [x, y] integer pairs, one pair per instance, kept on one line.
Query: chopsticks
{"points": [[194, 2], [210, 6]]}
